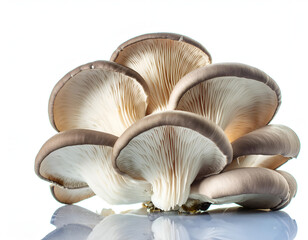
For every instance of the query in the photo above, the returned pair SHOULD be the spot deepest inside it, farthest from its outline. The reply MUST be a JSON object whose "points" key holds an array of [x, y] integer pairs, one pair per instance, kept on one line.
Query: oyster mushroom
{"points": [[101, 95], [269, 147], [78, 159], [162, 59], [258, 188], [237, 97], [170, 150]]}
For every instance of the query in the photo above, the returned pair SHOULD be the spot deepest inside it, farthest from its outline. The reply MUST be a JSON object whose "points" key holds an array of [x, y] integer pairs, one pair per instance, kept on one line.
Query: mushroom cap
{"points": [[237, 97], [159, 36], [76, 159], [269, 147], [70, 196], [100, 95], [292, 187], [161, 59], [70, 138], [252, 187], [170, 150]]}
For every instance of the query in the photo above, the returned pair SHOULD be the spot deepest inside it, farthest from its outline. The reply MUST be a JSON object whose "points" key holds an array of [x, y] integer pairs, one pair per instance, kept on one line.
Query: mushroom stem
{"points": [[169, 194]]}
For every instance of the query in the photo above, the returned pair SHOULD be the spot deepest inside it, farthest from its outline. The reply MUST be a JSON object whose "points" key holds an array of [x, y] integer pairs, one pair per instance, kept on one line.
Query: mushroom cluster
{"points": [[159, 122]]}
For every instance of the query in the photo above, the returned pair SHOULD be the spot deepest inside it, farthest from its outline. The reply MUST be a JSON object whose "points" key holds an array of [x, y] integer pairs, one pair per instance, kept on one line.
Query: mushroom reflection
{"points": [[235, 223]]}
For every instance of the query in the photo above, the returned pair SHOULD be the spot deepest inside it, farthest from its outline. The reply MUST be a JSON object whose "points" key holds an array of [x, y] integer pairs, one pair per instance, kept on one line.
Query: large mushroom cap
{"points": [[237, 97], [76, 159], [252, 187], [101, 95], [269, 147], [161, 59], [170, 150]]}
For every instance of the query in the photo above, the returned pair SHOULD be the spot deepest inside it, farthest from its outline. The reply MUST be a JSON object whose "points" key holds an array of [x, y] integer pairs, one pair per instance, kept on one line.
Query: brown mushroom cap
{"points": [[269, 147], [101, 95], [170, 150], [161, 59], [237, 97], [259, 188], [76, 159], [70, 196], [292, 186]]}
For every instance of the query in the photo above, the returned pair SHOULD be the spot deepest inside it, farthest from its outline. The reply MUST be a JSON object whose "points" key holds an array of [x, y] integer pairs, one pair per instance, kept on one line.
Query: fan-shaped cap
{"points": [[269, 147], [101, 95], [161, 59], [258, 188], [237, 97], [76, 159], [170, 150]]}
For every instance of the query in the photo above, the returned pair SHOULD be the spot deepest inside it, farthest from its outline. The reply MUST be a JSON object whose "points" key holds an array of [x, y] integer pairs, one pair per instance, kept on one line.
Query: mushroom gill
{"points": [[102, 96], [162, 59], [77, 159], [237, 97]]}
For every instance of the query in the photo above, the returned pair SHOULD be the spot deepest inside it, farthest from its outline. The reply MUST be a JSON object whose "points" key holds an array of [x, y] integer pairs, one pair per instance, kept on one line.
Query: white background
{"points": [[41, 41]]}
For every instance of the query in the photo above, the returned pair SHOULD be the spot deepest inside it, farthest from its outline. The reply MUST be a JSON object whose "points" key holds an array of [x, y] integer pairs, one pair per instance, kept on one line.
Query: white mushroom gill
{"points": [[237, 105], [91, 164], [99, 100], [162, 63], [170, 158]]}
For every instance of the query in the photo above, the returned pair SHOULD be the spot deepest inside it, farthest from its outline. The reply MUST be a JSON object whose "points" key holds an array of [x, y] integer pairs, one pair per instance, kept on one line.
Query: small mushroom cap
{"points": [[237, 97], [101, 95], [258, 188], [269, 147], [77, 159], [70, 138], [170, 150], [70, 196], [161, 59], [292, 186]]}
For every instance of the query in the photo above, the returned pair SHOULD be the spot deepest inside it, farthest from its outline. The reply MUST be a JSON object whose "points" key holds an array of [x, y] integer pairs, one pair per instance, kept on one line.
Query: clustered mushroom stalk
{"points": [[159, 122]]}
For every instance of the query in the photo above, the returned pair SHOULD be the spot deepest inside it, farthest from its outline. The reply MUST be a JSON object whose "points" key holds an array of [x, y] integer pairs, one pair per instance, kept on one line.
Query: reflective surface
{"points": [[74, 222]]}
